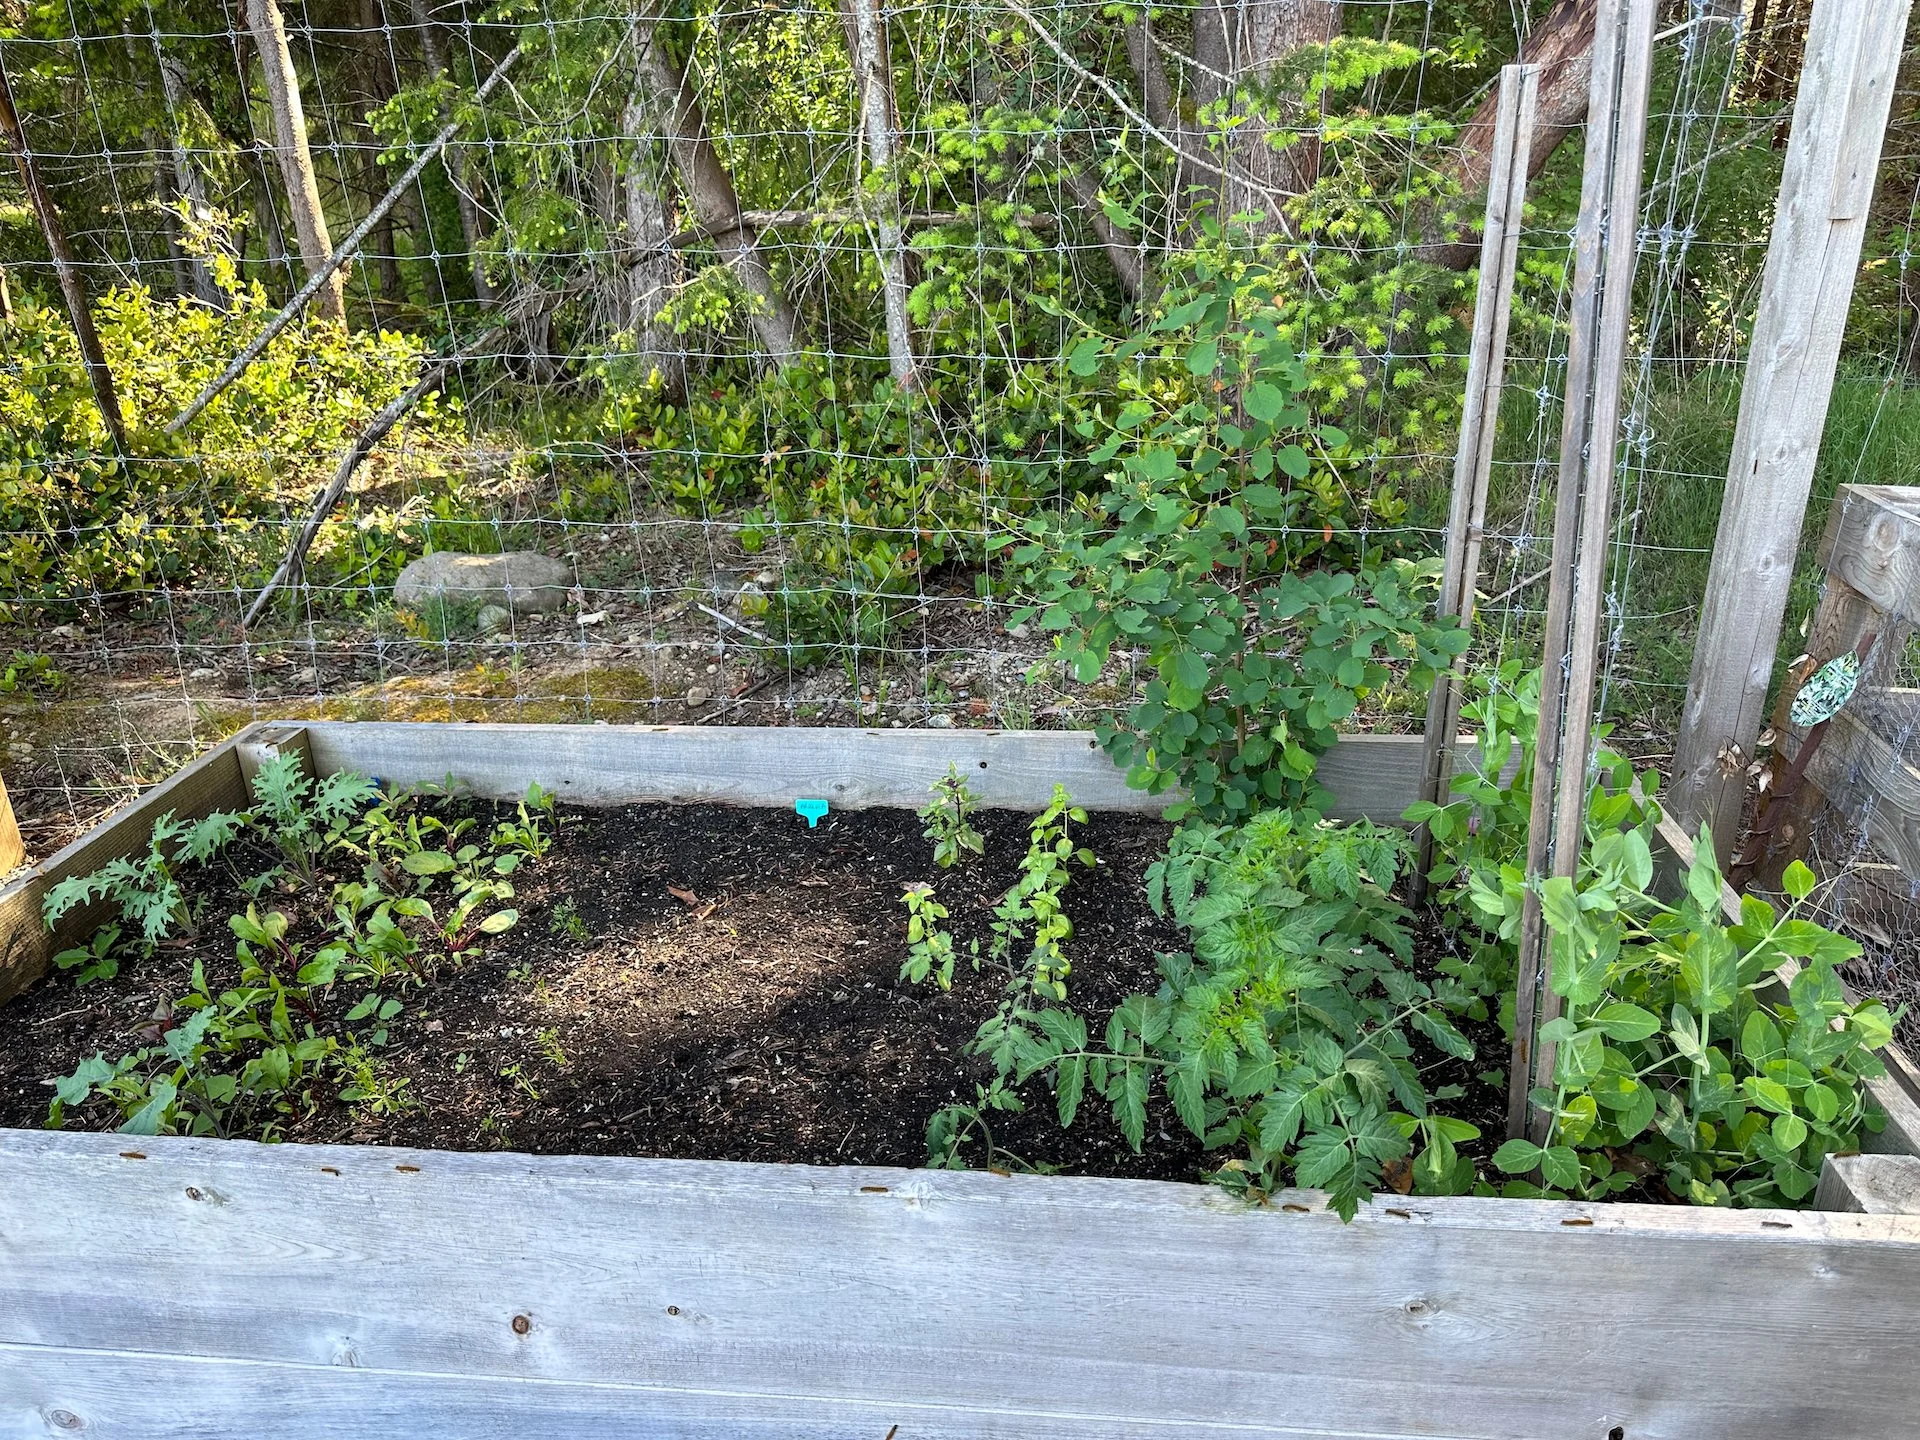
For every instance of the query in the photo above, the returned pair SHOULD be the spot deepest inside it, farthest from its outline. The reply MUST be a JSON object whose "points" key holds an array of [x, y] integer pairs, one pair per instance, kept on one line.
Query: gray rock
{"points": [[940, 722], [492, 618], [698, 696], [523, 581]]}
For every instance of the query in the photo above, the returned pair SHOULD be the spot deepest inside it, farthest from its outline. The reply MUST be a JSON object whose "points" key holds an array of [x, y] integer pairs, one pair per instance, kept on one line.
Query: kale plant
{"points": [[305, 818], [144, 889]]}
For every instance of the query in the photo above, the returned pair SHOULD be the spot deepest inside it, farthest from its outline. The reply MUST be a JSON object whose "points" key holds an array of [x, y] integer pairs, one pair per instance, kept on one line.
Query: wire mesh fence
{"points": [[675, 260]]}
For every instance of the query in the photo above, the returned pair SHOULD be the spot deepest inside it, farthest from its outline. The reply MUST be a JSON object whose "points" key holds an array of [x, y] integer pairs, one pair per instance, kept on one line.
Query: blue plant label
{"points": [[812, 809]]}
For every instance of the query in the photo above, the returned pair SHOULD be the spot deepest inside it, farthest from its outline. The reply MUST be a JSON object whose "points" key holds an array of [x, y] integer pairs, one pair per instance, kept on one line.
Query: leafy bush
{"points": [[1192, 556], [75, 517]]}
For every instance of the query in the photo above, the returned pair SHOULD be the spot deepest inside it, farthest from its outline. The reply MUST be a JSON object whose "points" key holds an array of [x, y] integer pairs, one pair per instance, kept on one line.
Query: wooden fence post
{"points": [[1605, 246], [13, 850], [1479, 417], [1853, 52]]}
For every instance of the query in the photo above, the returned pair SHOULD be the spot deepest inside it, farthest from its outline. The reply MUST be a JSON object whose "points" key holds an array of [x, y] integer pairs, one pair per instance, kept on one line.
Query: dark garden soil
{"points": [[694, 981]]}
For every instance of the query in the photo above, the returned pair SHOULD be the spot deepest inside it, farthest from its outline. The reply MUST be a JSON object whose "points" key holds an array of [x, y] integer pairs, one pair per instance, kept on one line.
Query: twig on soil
{"points": [[63, 1015], [735, 624], [735, 703]]}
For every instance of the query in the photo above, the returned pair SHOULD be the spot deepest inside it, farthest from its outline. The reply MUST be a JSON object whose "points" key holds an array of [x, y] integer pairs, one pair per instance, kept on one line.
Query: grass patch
{"points": [[1872, 436]]}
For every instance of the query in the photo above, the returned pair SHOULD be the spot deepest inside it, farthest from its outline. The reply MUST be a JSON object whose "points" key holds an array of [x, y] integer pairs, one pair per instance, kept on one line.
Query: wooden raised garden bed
{"points": [[157, 1287]]}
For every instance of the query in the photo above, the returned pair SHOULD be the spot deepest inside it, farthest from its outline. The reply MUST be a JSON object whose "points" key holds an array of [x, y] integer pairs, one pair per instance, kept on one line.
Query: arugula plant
{"points": [[1193, 559], [949, 825]]}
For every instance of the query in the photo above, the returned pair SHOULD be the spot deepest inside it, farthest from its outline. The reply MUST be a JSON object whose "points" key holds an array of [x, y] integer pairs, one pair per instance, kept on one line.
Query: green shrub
{"points": [[206, 503]]}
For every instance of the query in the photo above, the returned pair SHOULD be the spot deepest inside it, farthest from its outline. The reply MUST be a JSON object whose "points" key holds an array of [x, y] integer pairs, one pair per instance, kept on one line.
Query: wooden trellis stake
{"points": [[1605, 244], [1479, 416], [1826, 190]]}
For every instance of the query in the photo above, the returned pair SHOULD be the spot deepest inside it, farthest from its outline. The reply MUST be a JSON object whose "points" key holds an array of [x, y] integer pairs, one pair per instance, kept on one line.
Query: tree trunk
{"points": [[709, 189], [380, 86], [1245, 46], [296, 160], [653, 271], [466, 193], [1561, 44], [879, 189], [163, 198], [73, 287], [187, 181], [1165, 110], [1123, 251]]}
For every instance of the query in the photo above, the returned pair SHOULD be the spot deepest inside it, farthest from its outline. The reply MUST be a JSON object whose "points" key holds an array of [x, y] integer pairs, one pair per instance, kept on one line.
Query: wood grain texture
{"points": [[1371, 776], [1479, 425], [1870, 1184], [1853, 52], [1867, 778], [1872, 543], [208, 784], [680, 1297]]}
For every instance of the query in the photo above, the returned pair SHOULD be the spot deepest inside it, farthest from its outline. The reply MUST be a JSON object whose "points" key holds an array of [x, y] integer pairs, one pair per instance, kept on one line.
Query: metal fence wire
{"points": [[668, 257]]}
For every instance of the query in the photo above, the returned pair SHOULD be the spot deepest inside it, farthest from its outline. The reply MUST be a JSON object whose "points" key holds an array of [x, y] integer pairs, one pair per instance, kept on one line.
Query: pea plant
{"points": [[1722, 1059]]}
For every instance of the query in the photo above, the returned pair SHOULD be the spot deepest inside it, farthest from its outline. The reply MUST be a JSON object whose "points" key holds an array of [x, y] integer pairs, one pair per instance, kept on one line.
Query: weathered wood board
{"points": [[210, 783], [1374, 776], [219, 1289], [1371, 776]]}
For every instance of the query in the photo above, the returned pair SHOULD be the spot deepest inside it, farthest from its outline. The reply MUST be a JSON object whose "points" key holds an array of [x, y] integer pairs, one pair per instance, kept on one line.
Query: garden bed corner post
{"points": [[13, 850], [1826, 191]]}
